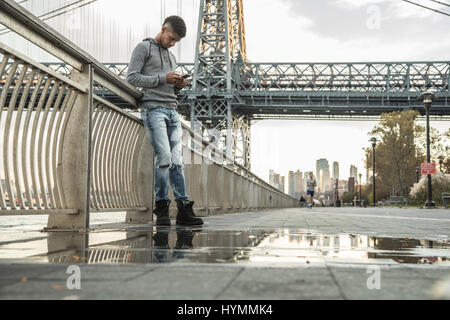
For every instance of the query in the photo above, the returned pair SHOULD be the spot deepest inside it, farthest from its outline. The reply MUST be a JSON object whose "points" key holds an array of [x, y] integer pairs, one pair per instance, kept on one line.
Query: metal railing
{"points": [[67, 152], [36, 116], [116, 139]]}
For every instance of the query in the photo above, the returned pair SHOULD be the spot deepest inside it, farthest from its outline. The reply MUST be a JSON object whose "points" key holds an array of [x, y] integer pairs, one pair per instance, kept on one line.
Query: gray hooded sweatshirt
{"points": [[149, 65]]}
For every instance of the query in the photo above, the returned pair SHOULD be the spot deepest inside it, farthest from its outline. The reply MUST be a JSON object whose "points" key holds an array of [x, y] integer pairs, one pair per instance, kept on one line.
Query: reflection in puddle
{"points": [[172, 245]]}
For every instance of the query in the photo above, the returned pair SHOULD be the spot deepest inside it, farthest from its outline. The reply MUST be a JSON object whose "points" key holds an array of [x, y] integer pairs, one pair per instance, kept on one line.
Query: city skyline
{"points": [[334, 171], [294, 183], [291, 149]]}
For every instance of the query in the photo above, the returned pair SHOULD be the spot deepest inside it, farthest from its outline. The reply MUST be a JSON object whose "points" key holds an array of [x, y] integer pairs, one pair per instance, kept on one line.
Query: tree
{"points": [[440, 183], [397, 153], [439, 147]]}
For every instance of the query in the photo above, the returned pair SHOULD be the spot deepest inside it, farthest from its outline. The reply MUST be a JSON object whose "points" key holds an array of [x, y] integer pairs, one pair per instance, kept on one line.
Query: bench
{"points": [[393, 200], [445, 198]]}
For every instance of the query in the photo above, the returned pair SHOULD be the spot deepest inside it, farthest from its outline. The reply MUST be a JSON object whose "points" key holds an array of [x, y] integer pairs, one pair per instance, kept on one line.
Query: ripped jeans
{"points": [[164, 128]]}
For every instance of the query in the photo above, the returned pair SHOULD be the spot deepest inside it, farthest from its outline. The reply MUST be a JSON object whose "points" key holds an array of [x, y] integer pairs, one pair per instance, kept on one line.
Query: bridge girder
{"points": [[220, 45]]}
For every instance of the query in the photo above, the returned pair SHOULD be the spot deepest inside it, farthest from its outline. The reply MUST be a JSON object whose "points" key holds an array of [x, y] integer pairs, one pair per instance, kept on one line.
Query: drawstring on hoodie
{"points": [[160, 53]]}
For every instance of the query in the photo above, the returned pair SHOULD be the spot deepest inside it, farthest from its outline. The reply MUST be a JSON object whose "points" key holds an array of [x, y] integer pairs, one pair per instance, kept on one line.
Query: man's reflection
{"points": [[162, 248]]}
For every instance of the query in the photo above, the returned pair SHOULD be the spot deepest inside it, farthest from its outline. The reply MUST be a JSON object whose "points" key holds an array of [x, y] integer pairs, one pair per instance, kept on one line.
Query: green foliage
{"points": [[348, 197], [399, 152]]}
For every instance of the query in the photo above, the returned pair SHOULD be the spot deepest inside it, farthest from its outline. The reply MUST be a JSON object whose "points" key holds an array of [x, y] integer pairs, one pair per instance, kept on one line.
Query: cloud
{"points": [[344, 30]]}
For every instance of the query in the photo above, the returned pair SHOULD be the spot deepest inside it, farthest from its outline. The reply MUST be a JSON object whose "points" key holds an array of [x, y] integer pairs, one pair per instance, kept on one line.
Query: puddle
{"points": [[281, 246]]}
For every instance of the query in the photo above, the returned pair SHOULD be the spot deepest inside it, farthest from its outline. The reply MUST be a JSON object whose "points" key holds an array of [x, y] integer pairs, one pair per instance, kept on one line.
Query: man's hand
{"points": [[182, 84], [173, 78], [176, 79]]}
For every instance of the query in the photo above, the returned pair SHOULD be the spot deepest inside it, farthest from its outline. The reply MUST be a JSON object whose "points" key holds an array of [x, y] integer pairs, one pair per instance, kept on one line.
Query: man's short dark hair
{"points": [[178, 25]]}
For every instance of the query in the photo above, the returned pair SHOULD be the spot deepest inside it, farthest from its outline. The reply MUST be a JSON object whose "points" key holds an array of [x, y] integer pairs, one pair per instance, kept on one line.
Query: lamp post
{"points": [[427, 98], [360, 185], [374, 143], [417, 174], [441, 161]]}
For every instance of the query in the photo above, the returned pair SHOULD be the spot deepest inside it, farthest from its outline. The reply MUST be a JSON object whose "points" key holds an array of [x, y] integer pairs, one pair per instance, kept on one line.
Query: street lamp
{"points": [[417, 174], [360, 185], [374, 143], [427, 98], [441, 161]]}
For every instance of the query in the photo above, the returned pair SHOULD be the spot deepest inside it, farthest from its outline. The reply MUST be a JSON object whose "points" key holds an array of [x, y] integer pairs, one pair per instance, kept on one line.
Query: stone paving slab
{"points": [[324, 279], [224, 282]]}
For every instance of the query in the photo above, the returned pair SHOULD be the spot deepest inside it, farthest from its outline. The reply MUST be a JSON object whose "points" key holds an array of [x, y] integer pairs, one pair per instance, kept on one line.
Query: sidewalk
{"points": [[320, 253]]}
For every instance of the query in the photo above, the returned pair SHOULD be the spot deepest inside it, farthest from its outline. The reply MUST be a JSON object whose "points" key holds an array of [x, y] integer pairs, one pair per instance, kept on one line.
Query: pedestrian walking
{"points": [[311, 185]]}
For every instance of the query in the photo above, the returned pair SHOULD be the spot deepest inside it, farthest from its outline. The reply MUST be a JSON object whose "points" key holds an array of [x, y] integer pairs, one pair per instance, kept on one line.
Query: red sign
{"points": [[428, 168]]}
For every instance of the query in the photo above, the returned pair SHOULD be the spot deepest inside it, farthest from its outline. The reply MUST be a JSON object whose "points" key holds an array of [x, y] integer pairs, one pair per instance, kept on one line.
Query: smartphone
{"points": [[186, 76]]}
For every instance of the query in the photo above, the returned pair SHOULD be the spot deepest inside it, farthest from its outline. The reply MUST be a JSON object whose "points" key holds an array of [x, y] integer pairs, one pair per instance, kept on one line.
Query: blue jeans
{"points": [[164, 128]]}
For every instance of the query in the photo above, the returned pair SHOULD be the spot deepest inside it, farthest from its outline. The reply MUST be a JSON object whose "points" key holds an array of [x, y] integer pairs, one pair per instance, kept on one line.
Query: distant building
{"points": [[276, 180], [342, 187], [282, 184], [296, 184], [271, 177], [299, 185], [353, 171], [323, 175], [291, 183], [351, 185], [335, 170]]}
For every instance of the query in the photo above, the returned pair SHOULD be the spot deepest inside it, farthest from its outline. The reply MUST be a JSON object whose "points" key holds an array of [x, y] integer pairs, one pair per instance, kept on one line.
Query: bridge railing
{"points": [[116, 141], [36, 112], [67, 152]]}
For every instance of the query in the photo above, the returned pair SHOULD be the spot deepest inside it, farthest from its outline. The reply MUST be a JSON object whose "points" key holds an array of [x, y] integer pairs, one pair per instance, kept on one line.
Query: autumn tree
{"points": [[397, 153], [439, 148]]}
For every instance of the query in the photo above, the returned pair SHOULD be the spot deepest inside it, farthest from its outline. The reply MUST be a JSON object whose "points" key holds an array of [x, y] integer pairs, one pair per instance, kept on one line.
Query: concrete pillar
{"points": [[76, 158], [145, 173], [237, 201], [226, 203], [229, 190], [215, 188], [196, 176]]}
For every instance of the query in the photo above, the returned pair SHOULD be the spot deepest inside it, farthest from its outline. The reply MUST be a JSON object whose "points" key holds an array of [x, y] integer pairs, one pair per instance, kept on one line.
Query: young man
{"points": [[311, 184], [152, 67]]}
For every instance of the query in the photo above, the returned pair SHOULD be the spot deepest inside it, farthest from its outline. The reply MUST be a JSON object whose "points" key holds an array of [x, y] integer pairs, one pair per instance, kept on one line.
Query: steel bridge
{"points": [[228, 91]]}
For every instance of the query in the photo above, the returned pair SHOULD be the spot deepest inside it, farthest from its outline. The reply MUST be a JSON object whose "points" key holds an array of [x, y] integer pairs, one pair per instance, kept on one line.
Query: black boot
{"points": [[184, 240], [162, 213], [161, 240], [186, 216]]}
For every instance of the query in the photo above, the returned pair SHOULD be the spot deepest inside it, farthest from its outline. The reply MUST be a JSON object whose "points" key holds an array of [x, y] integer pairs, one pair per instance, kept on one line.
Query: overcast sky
{"points": [[345, 30], [277, 31]]}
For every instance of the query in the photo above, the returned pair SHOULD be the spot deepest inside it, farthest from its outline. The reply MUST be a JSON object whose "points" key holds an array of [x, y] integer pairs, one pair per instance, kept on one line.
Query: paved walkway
{"points": [[322, 253]]}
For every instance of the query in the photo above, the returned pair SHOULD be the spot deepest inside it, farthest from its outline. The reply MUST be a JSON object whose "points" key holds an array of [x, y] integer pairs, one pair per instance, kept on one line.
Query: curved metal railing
{"points": [[116, 141], [36, 114]]}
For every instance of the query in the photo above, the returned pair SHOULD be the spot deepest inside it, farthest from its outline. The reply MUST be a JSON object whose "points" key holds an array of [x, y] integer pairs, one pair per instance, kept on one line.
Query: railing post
{"points": [[75, 164], [205, 186], [145, 172]]}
